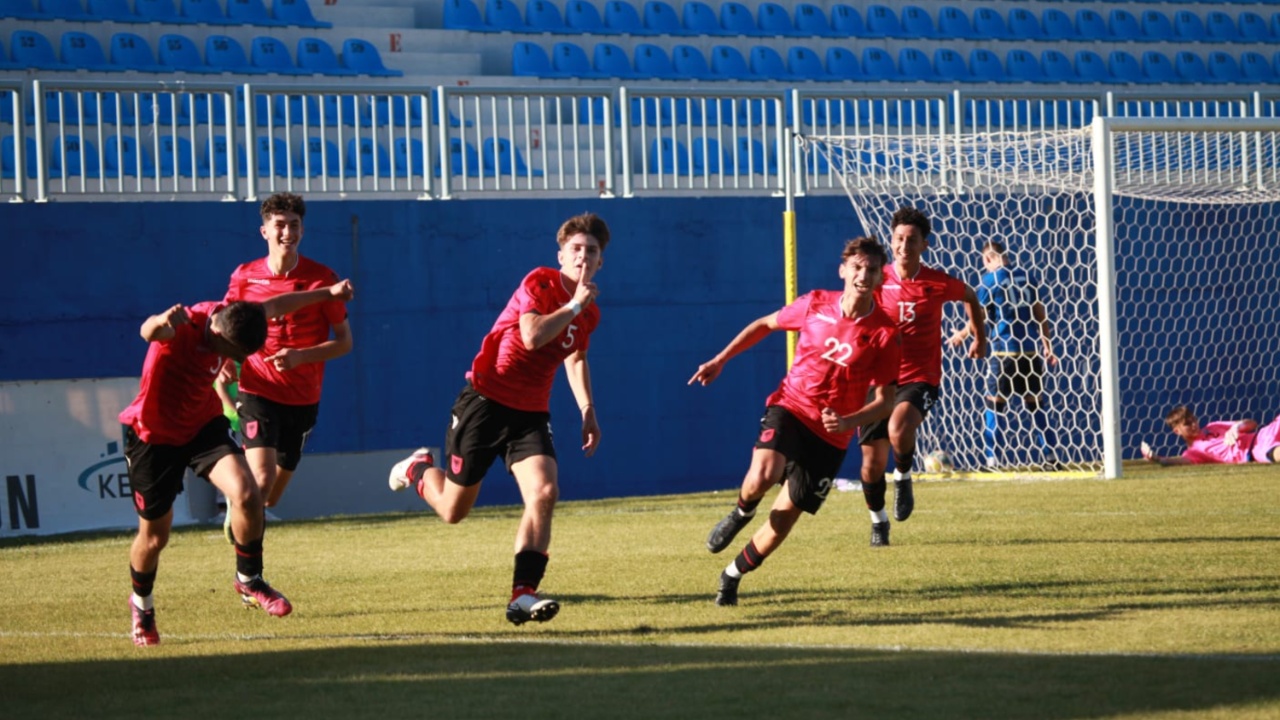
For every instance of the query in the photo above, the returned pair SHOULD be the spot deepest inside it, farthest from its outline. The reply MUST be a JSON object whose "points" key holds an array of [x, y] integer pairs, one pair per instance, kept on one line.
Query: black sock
{"points": [[905, 461], [531, 565], [143, 583], [749, 559], [249, 558], [747, 507], [873, 493]]}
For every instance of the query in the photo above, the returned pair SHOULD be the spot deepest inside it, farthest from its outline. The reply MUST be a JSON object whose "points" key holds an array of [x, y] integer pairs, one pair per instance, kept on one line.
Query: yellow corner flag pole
{"points": [[789, 239]]}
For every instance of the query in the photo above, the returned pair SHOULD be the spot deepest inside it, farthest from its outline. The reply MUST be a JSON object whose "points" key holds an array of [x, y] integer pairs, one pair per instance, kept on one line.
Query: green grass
{"points": [[1156, 596]]}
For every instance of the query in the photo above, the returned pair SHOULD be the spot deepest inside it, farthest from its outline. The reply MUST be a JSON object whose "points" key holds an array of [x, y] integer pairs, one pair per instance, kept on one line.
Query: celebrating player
{"points": [[504, 408], [1225, 441], [913, 295], [176, 422], [279, 393], [846, 345]]}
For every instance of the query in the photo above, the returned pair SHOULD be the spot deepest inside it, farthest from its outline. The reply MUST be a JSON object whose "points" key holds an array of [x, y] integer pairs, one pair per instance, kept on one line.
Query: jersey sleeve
{"points": [[955, 288], [792, 316], [235, 286]]}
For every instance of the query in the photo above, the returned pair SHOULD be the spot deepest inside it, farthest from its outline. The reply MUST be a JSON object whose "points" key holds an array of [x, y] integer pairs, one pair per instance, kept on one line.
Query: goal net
{"points": [[1191, 217]]}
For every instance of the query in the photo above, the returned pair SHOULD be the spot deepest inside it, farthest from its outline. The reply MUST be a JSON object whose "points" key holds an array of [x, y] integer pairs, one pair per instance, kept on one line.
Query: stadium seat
{"points": [[132, 52], [269, 54], [500, 157], [1091, 26], [846, 21], [949, 66], [773, 19], [72, 158], [1222, 67], [1125, 67], [1021, 66], [736, 19], [19, 10], [582, 16], [805, 64], [271, 157], [878, 65], [208, 12], [954, 23], [32, 49], [464, 160], [298, 110], [251, 12], [1190, 68], [811, 21], [63, 10], [1253, 28], [989, 24], [1024, 25], [407, 157], [530, 60], [544, 16], [1091, 68], [883, 22], [914, 65], [700, 19], [842, 64], [651, 61], [767, 64], [1057, 25], [621, 17], [1221, 27], [296, 12], [1188, 27], [690, 63], [215, 158], [367, 158], [1057, 67], [661, 19], [611, 61], [317, 56], [179, 52], [503, 16], [707, 156], [568, 59], [727, 63], [322, 158], [124, 158], [1256, 68], [227, 55], [1156, 68], [463, 15], [1124, 25], [157, 11], [363, 57], [750, 158], [668, 156], [985, 66], [9, 157], [112, 10], [1156, 26], [83, 51]]}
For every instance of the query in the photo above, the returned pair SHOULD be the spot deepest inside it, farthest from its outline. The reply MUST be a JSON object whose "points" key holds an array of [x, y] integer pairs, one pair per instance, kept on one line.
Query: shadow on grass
{"points": [[535, 680]]}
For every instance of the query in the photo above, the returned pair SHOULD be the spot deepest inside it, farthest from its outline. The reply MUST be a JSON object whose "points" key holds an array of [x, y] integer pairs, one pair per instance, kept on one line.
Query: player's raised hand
{"points": [[342, 290], [175, 316], [163, 326], [586, 292], [707, 373], [831, 420], [1147, 453]]}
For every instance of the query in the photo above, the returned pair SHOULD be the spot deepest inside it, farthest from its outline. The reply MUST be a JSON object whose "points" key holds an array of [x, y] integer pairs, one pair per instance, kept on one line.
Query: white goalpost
{"points": [[1155, 248]]}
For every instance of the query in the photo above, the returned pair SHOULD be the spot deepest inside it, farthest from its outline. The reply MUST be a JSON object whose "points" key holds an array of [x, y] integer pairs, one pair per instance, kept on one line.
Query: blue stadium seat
{"points": [[503, 16], [179, 52], [273, 156], [750, 158], [1021, 66], [1190, 68], [19, 10], [690, 63], [463, 15], [322, 157], [1125, 67], [366, 158], [842, 64], [1223, 67], [1221, 27], [652, 61], [661, 19], [700, 19], [708, 157], [157, 11], [846, 21], [408, 157], [124, 158], [727, 63], [72, 158], [989, 24], [954, 22], [805, 64], [298, 110], [1156, 68], [914, 65], [464, 159], [1057, 67], [568, 59], [1092, 26], [317, 56], [208, 12], [621, 17], [1156, 26], [6, 64], [1124, 25], [1253, 28], [83, 51], [878, 65], [736, 19], [363, 57], [530, 60], [950, 66], [9, 157], [1256, 68], [132, 52], [582, 16], [215, 158], [668, 156], [270, 55], [1057, 25], [251, 12], [296, 12], [767, 63], [544, 16], [1024, 25], [500, 157], [227, 55], [1091, 68], [882, 21], [1188, 27], [63, 10], [773, 19], [812, 21], [112, 10], [611, 61], [985, 66], [32, 49]]}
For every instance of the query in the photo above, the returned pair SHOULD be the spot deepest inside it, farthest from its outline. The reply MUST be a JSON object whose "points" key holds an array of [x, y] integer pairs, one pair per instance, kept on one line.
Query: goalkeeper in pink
{"points": [[1219, 442]]}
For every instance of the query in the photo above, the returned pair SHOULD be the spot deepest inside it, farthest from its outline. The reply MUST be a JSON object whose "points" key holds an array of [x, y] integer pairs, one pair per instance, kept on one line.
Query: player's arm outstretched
{"points": [[163, 326], [754, 332], [1150, 456], [578, 372], [977, 323], [295, 301], [880, 407]]}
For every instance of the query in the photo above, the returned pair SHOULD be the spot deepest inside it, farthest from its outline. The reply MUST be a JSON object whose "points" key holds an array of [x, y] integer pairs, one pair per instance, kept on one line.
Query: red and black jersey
{"points": [[915, 304]]}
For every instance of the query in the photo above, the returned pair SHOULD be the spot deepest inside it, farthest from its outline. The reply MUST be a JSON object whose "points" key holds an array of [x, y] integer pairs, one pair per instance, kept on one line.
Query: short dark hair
{"points": [[868, 247], [587, 224], [1178, 415], [911, 216], [243, 324], [283, 202]]}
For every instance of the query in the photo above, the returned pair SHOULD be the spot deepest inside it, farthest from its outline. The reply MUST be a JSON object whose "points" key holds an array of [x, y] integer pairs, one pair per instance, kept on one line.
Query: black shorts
{"points": [[481, 429], [267, 423], [812, 463], [922, 396], [1009, 375], [155, 471]]}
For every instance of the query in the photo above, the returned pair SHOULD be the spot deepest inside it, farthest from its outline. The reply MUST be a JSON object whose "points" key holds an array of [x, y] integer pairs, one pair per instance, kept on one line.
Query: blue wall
{"points": [[681, 277]]}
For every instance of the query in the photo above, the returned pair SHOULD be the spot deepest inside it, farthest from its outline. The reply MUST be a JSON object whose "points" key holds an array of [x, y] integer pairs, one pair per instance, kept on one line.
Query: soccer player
{"points": [[913, 295], [1219, 442], [279, 393], [176, 422], [504, 408], [1011, 298], [847, 344]]}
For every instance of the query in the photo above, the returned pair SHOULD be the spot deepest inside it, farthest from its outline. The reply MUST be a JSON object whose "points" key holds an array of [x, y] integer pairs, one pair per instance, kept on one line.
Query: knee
{"points": [[453, 516], [249, 497], [873, 470], [153, 541], [546, 495]]}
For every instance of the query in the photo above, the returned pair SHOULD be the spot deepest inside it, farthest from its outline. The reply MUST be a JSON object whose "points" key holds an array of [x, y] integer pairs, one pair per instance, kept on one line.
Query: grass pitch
{"points": [[1156, 596]]}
